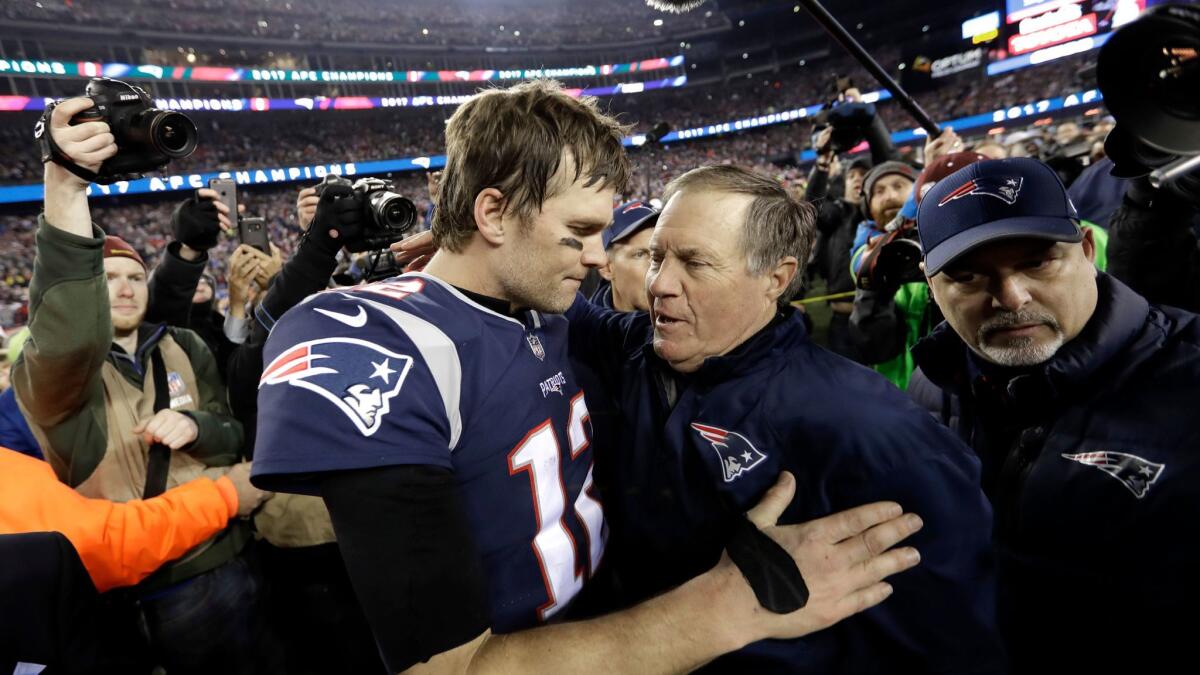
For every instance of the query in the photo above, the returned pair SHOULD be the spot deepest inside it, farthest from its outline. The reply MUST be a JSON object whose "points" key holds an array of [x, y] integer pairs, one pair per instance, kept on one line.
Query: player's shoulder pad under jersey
{"points": [[357, 348]]}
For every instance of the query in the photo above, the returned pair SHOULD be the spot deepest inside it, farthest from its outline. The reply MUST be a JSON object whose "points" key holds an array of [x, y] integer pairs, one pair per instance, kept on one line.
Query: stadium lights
{"points": [[658, 22]]}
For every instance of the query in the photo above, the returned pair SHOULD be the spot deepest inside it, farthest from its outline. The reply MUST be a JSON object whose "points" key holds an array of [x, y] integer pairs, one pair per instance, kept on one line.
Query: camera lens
{"points": [[173, 134], [393, 212]]}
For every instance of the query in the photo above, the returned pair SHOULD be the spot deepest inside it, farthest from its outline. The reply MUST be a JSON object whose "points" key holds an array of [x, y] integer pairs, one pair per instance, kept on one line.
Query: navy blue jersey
{"points": [[411, 371]]}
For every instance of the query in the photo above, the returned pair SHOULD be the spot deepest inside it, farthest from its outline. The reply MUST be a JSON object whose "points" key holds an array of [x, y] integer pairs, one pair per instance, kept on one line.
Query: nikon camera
{"points": [[147, 138], [387, 217]]}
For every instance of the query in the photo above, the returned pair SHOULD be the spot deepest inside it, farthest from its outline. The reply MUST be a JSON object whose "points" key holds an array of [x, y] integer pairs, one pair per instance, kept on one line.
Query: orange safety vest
{"points": [[120, 543]]}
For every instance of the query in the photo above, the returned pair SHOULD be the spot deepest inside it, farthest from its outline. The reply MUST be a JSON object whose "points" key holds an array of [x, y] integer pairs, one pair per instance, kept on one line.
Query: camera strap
{"points": [[50, 151], [158, 464]]}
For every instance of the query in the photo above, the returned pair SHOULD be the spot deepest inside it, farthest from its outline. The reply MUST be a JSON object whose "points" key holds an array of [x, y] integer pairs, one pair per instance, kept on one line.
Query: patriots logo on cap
{"points": [[359, 377], [1135, 473], [737, 454], [1006, 189], [632, 206]]}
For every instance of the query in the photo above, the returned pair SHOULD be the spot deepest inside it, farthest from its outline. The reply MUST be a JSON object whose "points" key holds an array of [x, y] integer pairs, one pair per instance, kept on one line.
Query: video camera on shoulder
{"points": [[1149, 73], [387, 216], [147, 138], [849, 117]]}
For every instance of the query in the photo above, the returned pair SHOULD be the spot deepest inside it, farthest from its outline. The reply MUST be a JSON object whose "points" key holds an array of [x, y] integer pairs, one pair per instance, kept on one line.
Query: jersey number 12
{"points": [[539, 454]]}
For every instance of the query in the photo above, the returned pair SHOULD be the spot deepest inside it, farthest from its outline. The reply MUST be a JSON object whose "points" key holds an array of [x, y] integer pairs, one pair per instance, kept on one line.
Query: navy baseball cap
{"points": [[628, 218], [991, 200]]}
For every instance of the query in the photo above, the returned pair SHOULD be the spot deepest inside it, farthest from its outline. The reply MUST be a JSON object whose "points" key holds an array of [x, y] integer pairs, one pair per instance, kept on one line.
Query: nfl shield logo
{"points": [[535, 345]]}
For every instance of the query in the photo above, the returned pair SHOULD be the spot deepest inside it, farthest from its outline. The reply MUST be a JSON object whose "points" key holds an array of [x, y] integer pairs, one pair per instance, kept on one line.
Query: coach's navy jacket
{"points": [[692, 450], [1092, 462]]}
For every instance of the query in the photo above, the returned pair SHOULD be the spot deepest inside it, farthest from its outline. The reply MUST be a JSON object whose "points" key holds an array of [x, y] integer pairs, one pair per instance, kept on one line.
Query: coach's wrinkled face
{"points": [[1016, 302], [703, 299], [128, 293]]}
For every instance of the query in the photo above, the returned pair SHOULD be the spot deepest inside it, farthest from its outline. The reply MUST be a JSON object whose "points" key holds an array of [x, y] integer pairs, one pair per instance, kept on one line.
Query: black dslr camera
{"points": [[147, 138], [387, 217], [851, 121], [1149, 73], [895, 261]]}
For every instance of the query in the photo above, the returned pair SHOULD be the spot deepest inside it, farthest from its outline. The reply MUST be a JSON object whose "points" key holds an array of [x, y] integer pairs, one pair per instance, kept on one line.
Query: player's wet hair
{"points": [[515, 140]]}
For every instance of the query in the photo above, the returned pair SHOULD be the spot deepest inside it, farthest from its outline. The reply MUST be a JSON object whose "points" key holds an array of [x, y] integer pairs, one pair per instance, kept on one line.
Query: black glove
{"points": [[195, 224], [337, 221]]}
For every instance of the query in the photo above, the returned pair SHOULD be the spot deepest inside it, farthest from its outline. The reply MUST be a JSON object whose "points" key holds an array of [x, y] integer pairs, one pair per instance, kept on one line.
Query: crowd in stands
{"points": [[427, 22], [240, 140], [769, 150]]}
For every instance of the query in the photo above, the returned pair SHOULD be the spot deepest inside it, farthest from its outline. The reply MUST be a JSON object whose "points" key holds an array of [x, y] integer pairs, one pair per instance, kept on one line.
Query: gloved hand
{"points": [[338, 219], [198, 221]]}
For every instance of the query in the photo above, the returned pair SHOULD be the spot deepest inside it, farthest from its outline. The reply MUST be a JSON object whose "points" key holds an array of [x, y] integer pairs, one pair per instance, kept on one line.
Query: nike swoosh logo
{"points": [[353, 320]]}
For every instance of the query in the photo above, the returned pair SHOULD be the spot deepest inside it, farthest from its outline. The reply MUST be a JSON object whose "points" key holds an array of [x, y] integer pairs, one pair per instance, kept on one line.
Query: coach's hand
{"points": [[843, 559]]}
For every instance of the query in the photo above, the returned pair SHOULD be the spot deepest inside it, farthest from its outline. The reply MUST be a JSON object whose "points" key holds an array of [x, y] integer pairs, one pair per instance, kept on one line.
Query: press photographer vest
{"points": [[121, 474]]}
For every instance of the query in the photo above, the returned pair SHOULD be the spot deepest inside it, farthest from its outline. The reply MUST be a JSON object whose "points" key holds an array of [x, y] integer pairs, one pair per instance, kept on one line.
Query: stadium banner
{"points": [[18, 103], [129, 71], [272, 175]]}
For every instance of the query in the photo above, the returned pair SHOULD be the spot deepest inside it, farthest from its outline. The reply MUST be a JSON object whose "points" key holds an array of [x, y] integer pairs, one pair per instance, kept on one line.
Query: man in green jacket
{"points": [[125, 409]]}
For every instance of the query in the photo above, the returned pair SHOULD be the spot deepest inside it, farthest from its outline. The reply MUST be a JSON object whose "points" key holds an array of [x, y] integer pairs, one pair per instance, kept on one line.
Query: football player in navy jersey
{"points": [[438, 417]]}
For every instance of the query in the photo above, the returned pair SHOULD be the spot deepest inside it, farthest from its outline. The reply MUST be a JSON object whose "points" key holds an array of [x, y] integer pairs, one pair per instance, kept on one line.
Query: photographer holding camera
{"points": [[846, 123], [312, 604], [125, 408]]}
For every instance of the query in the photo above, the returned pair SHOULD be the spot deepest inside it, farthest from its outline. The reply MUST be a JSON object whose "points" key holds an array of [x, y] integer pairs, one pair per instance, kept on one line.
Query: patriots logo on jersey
{"points": [[1004, 189], [737, 455], [1135, 473], [357, 376]]}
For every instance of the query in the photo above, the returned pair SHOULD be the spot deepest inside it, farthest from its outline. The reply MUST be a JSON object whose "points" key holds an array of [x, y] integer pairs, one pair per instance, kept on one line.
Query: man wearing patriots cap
{"points": [[1077, 394], [627, 243]]}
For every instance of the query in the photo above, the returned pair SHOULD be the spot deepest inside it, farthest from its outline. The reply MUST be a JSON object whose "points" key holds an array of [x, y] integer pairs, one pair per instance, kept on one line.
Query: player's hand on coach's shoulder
{"points": [[843, 559]]}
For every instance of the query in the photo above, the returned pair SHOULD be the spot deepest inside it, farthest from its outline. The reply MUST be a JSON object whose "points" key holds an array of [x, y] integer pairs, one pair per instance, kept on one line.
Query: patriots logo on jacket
{"points": [[737, 455], [357, 376], [1004, 189], [1135, 473]]}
